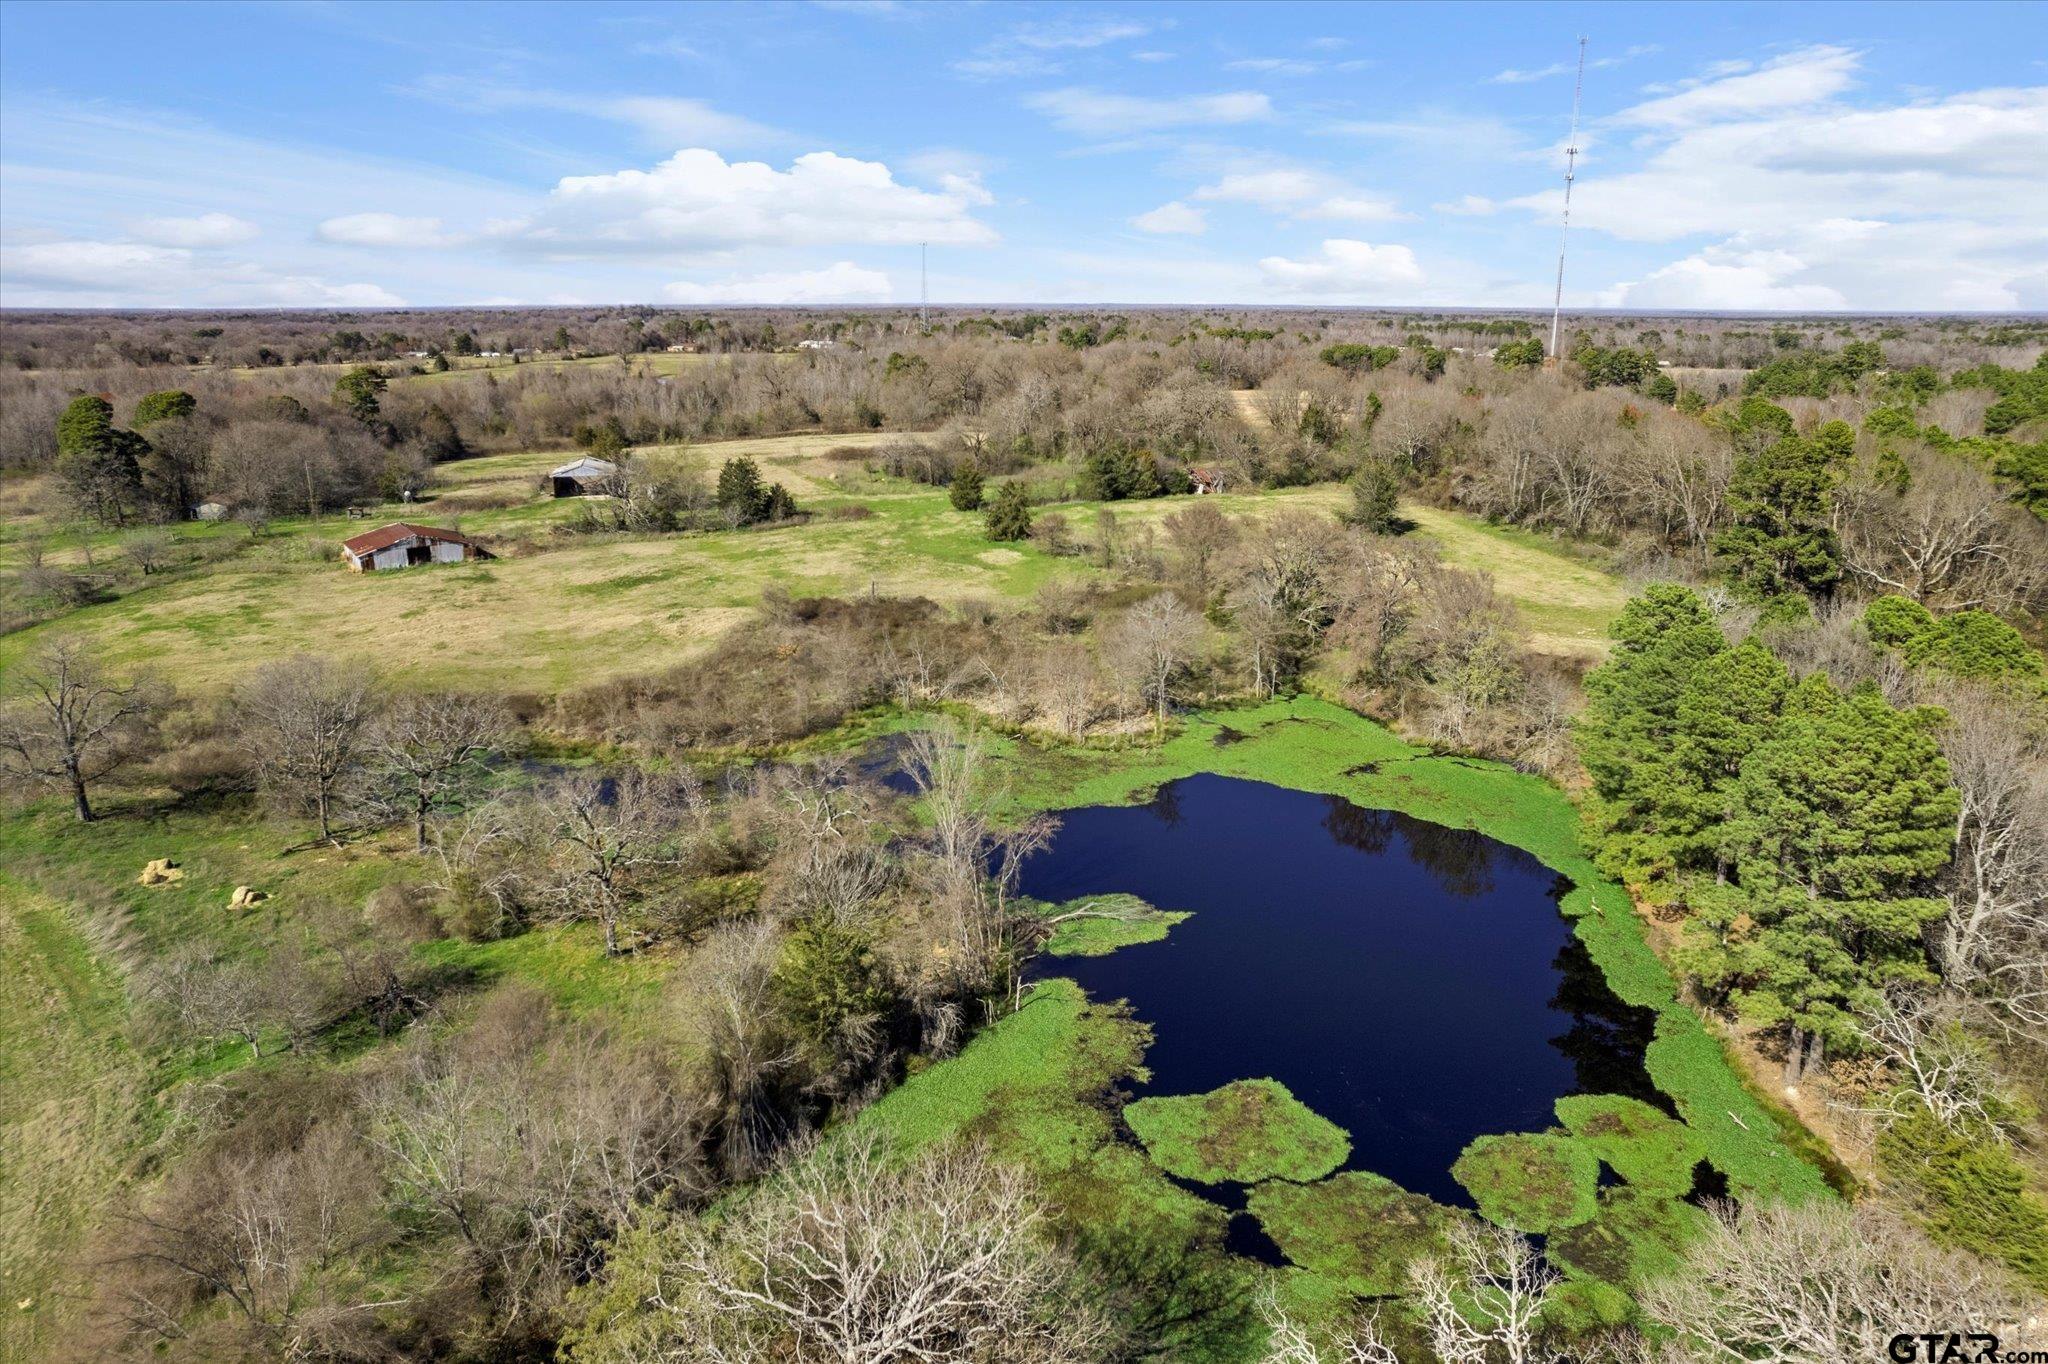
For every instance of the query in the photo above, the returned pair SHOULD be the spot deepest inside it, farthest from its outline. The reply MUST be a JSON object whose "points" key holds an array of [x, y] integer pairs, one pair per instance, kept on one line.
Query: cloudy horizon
{"points": [[1744, 159]]}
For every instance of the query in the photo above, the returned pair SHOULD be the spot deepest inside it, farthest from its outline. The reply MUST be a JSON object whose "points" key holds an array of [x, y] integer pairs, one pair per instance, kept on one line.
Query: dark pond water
{"points": [[1412, 983]]}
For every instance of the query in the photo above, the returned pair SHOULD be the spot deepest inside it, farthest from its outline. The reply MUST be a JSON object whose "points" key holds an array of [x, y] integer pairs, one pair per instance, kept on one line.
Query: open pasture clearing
{"points": [[585, 609], [591, 609]]}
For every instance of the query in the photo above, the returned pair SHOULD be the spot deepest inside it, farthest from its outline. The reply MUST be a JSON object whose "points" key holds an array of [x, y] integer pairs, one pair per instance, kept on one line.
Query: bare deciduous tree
{"points": [[530, 1141], [267, 1235], [850, 1257], [1200, 534], [1150, 644], [972, 867], [1823, 1280], [1950, 537], [428, 749], [611, 833], [1288, 1342], [304, 722], [1941, 1067], [148, 549], [1486, 1301], [1994, 939], [69, 723]]}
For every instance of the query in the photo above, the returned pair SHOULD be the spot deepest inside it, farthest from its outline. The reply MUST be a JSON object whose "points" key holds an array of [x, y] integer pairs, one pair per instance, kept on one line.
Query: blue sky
{"points": [[1803, 157]]}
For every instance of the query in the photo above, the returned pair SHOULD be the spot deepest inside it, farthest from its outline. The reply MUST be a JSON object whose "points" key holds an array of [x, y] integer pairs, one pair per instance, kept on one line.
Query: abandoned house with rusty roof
{"points": [[402, 545]]}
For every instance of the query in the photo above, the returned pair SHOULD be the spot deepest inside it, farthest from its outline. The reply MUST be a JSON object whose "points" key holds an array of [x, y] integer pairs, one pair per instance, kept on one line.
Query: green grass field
{"points": [[558, 612]]}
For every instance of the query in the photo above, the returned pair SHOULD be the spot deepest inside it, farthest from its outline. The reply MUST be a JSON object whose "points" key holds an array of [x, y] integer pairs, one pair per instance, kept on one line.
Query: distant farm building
{"points": [[212, 509], [1206, 481], [402, 545], [582, 477], [815, 343]]}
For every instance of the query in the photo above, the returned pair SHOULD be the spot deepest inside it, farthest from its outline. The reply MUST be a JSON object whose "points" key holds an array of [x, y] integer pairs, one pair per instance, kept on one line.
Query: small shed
{"points": [[1206, 481], [213, 509], [582, 477], [402, 545]]}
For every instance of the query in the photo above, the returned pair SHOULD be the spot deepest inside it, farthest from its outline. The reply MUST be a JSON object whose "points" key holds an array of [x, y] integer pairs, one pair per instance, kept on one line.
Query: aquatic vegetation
{"points": [[1355, 1229], [1653, 1151], [1112, 921], [1532, 1181], [1634, 1237], [1242, 1133]]}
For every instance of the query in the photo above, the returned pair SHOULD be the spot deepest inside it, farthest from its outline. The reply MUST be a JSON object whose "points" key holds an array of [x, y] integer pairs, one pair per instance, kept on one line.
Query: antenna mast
{"points": [[1571, 164], [923, 290]]}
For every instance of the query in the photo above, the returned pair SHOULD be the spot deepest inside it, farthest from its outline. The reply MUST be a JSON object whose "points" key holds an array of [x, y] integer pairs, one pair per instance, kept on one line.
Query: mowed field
{"points": [[560, 610]]}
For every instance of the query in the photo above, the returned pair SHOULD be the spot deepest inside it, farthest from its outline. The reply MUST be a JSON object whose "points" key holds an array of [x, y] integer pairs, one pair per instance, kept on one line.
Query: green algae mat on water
{"points": [[1046, 1086], [1097, 924], [1308, 744], [1241, 1133]]}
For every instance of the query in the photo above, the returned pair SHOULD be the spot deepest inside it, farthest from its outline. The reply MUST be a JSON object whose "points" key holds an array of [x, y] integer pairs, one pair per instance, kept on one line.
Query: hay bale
{"points": [[161, 871]]}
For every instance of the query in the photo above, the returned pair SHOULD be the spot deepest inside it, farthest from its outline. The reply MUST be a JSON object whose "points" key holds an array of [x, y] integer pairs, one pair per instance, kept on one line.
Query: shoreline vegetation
{"points": [[1041, 1085]]}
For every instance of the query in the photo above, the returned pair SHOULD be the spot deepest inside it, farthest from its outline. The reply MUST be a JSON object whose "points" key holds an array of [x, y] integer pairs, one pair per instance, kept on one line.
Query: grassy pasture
{"points": [[591, 608]]}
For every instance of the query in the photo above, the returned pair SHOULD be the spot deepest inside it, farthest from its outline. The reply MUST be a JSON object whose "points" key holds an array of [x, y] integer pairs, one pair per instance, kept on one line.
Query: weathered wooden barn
{"points": [[403, 545], [1206, 481], [583, 477]]}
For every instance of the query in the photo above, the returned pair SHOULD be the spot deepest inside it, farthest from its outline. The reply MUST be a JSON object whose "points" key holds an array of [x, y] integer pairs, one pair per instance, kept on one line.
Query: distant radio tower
{"points": [[1571, 165], [923, 290]]}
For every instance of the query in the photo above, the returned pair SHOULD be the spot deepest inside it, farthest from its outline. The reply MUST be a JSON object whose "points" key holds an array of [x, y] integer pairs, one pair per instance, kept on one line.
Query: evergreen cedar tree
{"points": [[741, 492], [1009, 513], [1375, 494], [965, 492], [1802, 826], [167, 405]]}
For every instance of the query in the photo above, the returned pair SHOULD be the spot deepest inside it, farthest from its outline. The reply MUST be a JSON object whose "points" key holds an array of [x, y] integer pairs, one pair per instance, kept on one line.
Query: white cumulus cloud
{"points": [[1300, 194], [1172, 218], [1346, 270], [696, 203], [1811, 199], [1795, 80], [840, 282], [86, 273]]}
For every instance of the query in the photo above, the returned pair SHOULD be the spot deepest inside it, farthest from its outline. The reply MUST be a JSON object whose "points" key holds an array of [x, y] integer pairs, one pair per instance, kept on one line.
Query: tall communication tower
{"points": [[923, 290], [1571, 166]]}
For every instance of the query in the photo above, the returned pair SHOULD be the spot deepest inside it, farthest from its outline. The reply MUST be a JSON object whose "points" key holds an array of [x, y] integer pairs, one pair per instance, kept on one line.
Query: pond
{"points": [[1412, 983]]}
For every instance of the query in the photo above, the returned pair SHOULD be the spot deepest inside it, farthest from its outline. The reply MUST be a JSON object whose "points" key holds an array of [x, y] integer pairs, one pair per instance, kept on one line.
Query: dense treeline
{"points": [[1852, 818], [1820, 471]]}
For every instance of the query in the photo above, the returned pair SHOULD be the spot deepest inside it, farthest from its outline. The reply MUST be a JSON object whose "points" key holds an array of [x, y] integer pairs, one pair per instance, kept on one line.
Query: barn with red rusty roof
{"points": [[404, 545]]}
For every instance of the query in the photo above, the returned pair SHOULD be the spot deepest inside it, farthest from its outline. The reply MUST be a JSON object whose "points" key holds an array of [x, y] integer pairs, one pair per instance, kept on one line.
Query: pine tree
{"points": [[358, 391], [1375, 495], [1728, 707], [164, 406], [98, 464], [1839, 821], [1628, 732], [1782, 500]]}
